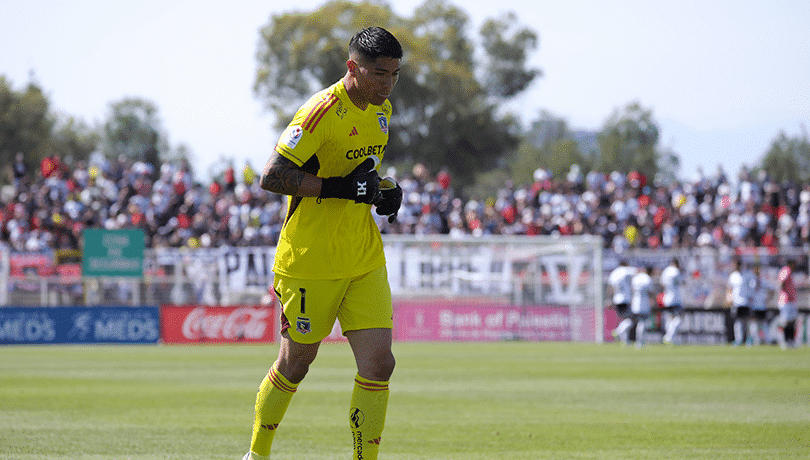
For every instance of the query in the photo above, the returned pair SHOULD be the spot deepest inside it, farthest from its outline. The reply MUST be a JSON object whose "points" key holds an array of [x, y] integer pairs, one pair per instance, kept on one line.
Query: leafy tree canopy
{"points": [[28, 125], [133, 131], [788, 158], [444, 115], [628, 141], [549, 144], [25, 124]]}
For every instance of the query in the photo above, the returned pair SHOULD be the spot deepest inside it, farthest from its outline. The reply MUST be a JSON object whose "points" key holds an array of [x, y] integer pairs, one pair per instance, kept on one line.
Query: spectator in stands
{"points": [[627, 210], [19, 170]]}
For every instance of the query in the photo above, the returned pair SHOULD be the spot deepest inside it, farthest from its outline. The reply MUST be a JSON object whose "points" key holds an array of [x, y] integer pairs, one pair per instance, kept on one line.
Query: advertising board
{"points": [[113, 252], [79, 325], [207, 324], [462, 321]]}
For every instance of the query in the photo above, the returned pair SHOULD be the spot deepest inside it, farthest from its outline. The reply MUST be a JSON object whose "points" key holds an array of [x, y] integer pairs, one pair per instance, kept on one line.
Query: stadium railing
{"points": [[541, 271]]}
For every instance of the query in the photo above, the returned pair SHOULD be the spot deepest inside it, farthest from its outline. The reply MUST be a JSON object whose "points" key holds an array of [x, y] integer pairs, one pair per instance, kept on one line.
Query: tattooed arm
{"points": [[284, 177]]}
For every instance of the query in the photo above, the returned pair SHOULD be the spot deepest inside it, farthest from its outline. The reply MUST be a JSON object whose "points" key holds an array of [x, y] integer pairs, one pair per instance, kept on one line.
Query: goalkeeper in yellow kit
{"points": [[329, 262]]}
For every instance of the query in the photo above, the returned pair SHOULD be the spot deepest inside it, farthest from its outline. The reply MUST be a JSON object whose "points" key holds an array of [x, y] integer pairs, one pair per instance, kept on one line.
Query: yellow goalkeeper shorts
{"points": [[310, 307]]}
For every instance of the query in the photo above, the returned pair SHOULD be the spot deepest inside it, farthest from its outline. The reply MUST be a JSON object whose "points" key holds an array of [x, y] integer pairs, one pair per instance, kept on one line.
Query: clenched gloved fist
{"points": [[361, 185], [390, 199]]}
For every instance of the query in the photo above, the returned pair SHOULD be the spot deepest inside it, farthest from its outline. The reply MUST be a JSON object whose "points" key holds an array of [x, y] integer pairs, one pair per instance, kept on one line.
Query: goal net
{"points": [[543, 283]]}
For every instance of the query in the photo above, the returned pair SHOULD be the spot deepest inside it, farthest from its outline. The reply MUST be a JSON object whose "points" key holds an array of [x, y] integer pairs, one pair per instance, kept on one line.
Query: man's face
{"points": [[376, 79]]}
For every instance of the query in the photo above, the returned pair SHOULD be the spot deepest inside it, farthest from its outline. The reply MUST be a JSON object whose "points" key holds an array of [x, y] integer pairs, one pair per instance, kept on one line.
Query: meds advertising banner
{"points": [[46, 325]]}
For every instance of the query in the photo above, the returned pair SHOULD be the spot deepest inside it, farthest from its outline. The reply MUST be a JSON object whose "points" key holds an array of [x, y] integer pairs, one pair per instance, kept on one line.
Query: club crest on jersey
{"points": [[383, 122], [303, 325], [292, 135]]}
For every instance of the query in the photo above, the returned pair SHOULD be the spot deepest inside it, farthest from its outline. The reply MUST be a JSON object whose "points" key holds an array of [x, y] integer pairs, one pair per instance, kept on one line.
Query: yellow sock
{"points": [[367, 417], [272, 401]]}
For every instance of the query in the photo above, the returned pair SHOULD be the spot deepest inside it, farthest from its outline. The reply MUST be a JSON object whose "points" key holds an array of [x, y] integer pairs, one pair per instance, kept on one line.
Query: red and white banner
{"points": [[206, 324], [413, 321]]}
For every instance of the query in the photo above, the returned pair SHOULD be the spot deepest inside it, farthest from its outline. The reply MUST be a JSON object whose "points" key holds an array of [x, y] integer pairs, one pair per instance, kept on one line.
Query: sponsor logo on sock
{"points": [[376, 441], [270, 427], [358, 445], [356, 417]]}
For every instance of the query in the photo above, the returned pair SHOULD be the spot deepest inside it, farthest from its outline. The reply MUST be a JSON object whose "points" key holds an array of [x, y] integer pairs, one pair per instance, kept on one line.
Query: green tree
{"points": [[180, 154], [549, 144], [788, 158], [628, 141], [669, 167], [133, 130], [444, 116], [507, 47], [75, 140], [25, 124]]}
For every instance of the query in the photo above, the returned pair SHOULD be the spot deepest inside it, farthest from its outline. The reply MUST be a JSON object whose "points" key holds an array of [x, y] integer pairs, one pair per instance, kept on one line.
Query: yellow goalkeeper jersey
{"points": [[331, 238]]}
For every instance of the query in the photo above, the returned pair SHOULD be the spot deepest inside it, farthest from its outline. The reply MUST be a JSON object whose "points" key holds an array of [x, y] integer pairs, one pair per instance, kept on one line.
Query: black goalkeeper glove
{"points": [[361, 185], [390, 199]]}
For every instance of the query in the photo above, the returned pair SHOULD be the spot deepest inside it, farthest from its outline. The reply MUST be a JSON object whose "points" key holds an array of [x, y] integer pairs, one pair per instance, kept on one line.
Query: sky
{"points": [[722, 78]]}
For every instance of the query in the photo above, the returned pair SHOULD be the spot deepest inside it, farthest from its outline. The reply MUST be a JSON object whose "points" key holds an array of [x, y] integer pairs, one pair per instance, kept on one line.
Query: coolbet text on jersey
{"points": [[331, 238]]}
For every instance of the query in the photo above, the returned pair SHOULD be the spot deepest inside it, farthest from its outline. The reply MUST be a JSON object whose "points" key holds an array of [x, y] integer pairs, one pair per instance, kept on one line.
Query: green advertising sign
{"points": [[113, 253]]}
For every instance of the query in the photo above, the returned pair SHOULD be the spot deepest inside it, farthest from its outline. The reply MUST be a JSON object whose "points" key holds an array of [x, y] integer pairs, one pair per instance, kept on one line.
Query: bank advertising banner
{"points": [[79, 325], [209, 324], [457, 321]]}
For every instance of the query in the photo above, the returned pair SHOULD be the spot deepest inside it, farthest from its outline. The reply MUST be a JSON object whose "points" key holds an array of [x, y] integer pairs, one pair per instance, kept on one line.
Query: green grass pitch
{"points": [[459, 401]]}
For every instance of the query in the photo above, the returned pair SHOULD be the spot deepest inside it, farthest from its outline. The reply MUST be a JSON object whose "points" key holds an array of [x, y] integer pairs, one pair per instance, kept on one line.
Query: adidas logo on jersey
{"points": [[354, 132]]}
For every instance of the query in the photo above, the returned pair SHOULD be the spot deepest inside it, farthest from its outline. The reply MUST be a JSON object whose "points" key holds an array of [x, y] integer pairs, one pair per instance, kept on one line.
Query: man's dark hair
{"points": [[373, 42]]}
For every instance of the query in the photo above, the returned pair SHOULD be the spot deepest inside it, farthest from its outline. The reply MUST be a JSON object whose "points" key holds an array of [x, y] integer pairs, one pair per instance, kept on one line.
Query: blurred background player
{"points": [[786, 321], [672, 281], [329, 260], [758, 325], [620, 282], [740, 283], [641, 302]]}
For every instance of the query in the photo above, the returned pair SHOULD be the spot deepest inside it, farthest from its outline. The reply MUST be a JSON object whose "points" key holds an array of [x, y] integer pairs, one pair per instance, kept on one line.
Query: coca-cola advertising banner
{"points": [[206, 324], [457, 321]]}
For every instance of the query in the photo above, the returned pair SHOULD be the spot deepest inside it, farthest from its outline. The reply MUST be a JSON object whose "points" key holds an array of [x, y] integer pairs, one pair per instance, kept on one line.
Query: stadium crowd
{"points": [[50, 207]]}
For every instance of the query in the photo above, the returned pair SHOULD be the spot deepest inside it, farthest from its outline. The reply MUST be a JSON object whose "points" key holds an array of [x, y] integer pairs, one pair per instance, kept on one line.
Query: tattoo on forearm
{"points": [[282, 176]]}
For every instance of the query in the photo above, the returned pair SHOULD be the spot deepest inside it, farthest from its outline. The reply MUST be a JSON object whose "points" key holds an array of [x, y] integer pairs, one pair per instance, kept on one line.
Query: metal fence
{"points": [[222, 276], [517, 270]]}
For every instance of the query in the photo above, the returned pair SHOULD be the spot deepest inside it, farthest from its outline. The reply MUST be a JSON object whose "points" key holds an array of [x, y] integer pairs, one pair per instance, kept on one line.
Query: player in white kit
{"points": [[620, 279], [740, 291], [641, 303], [672, 281]]}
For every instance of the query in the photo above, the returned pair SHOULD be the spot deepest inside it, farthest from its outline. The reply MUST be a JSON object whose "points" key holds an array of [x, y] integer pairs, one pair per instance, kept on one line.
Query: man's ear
{"points": [[352, 66]]}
